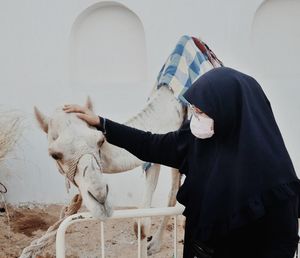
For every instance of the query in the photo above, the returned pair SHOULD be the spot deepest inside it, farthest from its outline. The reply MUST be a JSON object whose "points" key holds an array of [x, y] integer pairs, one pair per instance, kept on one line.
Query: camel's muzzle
{"points": [[102, 198]]}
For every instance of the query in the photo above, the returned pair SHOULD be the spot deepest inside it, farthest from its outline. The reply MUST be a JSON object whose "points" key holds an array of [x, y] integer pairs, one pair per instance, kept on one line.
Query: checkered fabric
{"points": [[188, 61]]}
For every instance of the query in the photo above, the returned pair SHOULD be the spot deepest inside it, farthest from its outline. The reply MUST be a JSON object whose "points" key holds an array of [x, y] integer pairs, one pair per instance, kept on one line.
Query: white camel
{"points": [[82, 152]]}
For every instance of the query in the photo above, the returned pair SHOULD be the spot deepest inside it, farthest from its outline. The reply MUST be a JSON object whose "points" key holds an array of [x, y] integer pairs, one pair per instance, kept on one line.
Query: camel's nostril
{"points": [[57, 155], [100, 142], [99, 200]]}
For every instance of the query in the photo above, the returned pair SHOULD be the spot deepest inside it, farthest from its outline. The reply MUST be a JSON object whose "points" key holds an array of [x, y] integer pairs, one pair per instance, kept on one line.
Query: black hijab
{"points": [[232, 177]]}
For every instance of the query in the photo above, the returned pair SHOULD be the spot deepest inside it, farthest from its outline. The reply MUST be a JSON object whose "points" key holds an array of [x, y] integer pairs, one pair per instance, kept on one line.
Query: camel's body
{"points": [[162, 113]]}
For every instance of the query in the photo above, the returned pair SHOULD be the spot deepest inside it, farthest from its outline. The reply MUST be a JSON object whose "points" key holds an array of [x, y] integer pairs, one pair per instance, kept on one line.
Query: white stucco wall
{"points": [[42, 48]]}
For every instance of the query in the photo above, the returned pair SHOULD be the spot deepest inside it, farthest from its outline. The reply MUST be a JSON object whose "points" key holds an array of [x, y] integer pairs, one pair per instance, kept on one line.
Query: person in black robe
{"points": [[241, 192]]}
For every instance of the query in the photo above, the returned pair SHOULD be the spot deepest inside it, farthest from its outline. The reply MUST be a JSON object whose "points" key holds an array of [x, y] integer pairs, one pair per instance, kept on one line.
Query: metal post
{"points": [[102, 240], [139, 238], [175, 236]]}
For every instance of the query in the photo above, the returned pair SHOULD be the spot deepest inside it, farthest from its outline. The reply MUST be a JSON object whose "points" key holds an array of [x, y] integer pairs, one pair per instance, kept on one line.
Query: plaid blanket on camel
{"points": [[188, 61]]}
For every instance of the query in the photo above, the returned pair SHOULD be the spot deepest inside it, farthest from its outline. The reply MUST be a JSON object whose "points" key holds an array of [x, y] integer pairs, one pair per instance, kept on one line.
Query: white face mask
{"points": [[201, 126]]}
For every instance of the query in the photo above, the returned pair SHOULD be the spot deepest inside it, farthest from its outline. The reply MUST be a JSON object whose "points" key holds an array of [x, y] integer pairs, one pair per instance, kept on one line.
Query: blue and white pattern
{"points": [[184, 66]]}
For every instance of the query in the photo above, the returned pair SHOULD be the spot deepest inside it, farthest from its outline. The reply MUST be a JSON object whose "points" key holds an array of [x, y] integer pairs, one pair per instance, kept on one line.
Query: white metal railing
{"points": [[118, 214]]}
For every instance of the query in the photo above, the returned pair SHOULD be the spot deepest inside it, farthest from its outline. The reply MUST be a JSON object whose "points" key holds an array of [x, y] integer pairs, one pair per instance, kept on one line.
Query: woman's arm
{"points": [[167, 149]]}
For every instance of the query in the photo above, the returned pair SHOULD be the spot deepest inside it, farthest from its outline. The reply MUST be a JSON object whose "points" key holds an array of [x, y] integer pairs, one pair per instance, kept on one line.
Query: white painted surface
{"points": [[107, 45], [38, 67]]}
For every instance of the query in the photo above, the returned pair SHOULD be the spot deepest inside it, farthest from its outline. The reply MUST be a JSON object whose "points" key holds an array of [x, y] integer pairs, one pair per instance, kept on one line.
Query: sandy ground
{"points": [[83, 239]]}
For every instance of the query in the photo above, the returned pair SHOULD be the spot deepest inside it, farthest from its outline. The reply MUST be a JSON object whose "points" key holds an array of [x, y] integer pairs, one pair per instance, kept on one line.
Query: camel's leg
{"points": [[152, 175], [154, 245]]}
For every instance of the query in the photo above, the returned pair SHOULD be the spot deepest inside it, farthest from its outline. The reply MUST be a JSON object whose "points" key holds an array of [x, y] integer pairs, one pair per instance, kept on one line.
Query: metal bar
{"points": [[139, 238], [102, 240], [175, 236], [118, 214]]}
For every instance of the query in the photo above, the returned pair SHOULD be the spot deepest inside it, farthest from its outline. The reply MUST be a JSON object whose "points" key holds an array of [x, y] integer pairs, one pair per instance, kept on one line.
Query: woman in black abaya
{"points": [[241, 191]]}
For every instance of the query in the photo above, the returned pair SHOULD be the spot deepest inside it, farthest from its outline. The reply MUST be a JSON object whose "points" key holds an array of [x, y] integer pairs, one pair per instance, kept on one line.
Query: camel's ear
{"points": [[88, 103], [42, 119]]}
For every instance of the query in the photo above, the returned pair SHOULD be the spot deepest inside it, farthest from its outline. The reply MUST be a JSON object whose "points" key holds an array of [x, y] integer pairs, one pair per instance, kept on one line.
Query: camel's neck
{"points": [[163, 113]]}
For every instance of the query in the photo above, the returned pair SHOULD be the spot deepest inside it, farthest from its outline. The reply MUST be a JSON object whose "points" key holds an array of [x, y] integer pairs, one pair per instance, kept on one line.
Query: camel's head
{"points": [[75, 147]]}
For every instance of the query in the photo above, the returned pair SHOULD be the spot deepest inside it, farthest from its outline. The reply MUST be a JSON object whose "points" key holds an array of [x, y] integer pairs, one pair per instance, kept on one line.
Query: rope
{"points": [[69, 167], [4, 189], [6, 209], [38, 245], [8, 217]]}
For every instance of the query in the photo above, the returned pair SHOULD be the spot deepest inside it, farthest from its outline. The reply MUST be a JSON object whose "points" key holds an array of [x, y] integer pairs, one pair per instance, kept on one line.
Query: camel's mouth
{"points": [[99, 205], [102, 202]]}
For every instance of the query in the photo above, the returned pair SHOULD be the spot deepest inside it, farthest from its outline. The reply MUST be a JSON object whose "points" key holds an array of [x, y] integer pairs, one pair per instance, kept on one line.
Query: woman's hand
{"points": [[83, 113]]}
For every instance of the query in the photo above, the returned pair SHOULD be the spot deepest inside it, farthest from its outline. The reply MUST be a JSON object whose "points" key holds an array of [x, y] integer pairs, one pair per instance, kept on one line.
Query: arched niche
{"points": [[275, 38], [107, 45]]}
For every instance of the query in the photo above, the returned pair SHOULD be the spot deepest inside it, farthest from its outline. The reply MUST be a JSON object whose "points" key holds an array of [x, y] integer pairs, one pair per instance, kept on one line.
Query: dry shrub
{"points": [[10, 131]]}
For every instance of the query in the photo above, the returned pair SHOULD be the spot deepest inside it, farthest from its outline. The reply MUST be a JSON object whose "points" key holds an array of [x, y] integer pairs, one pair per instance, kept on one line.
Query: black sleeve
{"points": [[167, 149]]}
